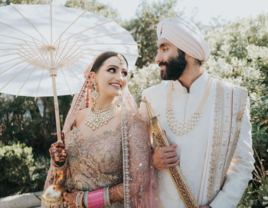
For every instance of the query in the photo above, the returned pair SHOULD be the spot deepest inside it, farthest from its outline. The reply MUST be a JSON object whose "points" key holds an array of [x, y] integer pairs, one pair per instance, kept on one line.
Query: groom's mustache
{"points": [[163, 64]]}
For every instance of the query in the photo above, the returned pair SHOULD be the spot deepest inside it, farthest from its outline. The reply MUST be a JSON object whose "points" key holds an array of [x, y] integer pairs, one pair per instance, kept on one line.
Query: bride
{"points": [[105, 159]]}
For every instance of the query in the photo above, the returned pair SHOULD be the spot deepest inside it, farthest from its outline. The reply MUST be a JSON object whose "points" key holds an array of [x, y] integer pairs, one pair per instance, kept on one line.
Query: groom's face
{"points": [[170, 59]]}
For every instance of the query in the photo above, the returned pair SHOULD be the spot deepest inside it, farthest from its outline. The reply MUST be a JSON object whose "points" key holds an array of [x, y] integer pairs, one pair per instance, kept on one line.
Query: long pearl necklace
{"points": [[181, 129], [97, 118]]}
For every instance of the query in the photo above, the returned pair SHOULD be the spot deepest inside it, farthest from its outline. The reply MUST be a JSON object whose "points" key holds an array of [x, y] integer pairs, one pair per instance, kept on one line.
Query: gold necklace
{"points": [[181, 129], [97, 118]]}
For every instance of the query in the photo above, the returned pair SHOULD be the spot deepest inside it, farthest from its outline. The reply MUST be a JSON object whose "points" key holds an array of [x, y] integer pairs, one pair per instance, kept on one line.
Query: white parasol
{"points": [[41, 42]]}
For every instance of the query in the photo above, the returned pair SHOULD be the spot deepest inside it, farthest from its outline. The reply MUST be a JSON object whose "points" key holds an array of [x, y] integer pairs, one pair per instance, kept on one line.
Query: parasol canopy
{"points": [[45, 49]]}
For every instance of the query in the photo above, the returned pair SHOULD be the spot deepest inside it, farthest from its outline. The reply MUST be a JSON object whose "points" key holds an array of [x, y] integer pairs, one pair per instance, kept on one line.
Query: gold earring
{"points": [[95, 93]]}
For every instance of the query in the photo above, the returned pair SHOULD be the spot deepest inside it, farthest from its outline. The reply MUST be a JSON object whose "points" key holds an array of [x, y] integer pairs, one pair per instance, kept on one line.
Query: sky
{"points": [[228, 10]]}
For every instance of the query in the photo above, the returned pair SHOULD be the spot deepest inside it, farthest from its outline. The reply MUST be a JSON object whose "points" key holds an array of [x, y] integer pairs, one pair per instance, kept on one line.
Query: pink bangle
{"points": [[96, 199]]}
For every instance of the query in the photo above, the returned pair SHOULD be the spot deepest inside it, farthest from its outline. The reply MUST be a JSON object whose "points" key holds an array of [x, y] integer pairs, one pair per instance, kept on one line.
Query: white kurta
{"points": [[193, 147]]}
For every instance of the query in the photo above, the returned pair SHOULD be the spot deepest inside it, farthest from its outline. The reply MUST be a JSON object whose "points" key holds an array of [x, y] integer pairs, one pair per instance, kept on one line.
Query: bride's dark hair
{"points": [[102, 58]]}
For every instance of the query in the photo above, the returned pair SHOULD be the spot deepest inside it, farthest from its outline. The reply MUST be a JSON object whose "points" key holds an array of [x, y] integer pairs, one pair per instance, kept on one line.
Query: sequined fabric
{"points": [[97, 162], [94, 162]]}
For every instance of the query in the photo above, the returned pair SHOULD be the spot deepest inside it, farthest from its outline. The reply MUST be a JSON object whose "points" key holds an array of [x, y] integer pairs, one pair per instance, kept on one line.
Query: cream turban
{"points": [[186, 36]]}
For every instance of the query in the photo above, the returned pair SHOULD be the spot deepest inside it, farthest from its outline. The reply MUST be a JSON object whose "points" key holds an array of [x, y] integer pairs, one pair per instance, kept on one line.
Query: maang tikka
{"points": [[95, 93]]}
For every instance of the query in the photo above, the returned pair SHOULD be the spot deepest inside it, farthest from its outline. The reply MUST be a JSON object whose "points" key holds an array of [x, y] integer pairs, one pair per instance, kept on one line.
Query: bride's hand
{"points": [[70, 199], [58, 153]]}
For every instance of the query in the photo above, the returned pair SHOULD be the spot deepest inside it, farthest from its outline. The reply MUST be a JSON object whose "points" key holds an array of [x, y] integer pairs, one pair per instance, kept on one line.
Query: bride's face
{"points": [[111, 77]]}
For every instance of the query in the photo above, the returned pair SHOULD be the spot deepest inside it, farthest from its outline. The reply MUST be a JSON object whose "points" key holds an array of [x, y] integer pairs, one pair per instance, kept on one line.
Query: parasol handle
{"points": [[56, 104]]}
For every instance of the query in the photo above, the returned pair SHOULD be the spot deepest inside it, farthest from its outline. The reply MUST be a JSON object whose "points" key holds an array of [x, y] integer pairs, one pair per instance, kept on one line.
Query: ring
{"points": [[53, 149]]}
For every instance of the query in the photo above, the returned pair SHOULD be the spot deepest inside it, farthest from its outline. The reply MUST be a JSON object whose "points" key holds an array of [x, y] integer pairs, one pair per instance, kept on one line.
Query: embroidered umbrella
{"points": [[45, 49]]}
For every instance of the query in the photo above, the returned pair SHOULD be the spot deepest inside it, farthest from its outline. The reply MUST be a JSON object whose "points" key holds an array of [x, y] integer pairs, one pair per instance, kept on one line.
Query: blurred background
{"points": [[237, 32]]}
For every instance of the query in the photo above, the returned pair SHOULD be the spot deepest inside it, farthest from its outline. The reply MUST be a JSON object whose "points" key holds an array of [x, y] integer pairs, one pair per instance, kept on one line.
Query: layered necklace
{"points": [[178, 128], [97, 118]]}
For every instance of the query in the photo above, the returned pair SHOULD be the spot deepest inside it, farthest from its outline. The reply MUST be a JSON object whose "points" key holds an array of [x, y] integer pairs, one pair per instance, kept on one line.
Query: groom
{"points": [[206, 121]]}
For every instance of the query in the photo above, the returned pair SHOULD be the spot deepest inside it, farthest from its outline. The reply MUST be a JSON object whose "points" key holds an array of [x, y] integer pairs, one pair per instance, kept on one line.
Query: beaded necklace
{"points": [[181, 129]]}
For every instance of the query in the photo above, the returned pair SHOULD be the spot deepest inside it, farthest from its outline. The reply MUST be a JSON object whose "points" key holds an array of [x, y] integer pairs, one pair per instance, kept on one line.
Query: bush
{"points": [[18, 172], [140, 79]]}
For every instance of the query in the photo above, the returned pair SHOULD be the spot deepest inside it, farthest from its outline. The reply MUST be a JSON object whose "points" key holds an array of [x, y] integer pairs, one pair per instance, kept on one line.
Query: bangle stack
{"points": [[56, 168], [96, 199]]}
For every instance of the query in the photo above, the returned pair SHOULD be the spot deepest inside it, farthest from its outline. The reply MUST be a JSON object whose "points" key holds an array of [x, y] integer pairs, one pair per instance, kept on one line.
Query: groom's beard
{"points": [[174, 67]]}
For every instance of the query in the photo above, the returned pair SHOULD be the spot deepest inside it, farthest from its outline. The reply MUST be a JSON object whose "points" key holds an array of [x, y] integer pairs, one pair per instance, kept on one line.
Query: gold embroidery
{"points": [[217, 137], [225, 135], [239, 117], [216, 140]]}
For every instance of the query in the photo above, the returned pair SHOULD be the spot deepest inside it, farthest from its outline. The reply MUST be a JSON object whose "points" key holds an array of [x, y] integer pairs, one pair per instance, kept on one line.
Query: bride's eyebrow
{"points": [[113, 66], [116, 67]]}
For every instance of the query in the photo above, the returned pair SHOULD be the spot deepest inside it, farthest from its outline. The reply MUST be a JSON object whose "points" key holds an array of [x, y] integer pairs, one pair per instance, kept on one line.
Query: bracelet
{"points": [[96, 199], [81, 200], [78, 199], [107, 201], [85, 199], [59, 168]]}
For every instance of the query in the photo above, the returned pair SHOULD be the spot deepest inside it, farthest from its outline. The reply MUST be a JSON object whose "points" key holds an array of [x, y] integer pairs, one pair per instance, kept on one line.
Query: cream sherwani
{"points": [[216, 156]]}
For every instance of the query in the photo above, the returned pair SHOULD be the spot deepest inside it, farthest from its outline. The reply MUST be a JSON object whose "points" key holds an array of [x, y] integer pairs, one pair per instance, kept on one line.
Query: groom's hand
{"points": [[165, 157]]}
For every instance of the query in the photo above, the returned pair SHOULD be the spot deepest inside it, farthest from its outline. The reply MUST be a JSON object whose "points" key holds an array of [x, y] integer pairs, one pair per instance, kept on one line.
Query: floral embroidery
{"points": [[94, 162]]}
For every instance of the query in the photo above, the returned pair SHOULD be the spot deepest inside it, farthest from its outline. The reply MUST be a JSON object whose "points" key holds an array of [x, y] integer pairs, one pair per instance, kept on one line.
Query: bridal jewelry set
{"points": [[181, 129], [97, 118]]}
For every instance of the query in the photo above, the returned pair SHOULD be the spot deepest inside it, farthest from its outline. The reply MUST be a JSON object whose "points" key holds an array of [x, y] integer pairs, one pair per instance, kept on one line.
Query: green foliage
{"points": [[18, 173], [255, 198], [144, 26], [30, 121], [140, 79]]}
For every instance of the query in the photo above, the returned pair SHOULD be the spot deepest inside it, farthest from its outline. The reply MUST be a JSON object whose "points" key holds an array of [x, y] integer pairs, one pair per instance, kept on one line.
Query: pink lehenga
{"points": [[119, 157]]}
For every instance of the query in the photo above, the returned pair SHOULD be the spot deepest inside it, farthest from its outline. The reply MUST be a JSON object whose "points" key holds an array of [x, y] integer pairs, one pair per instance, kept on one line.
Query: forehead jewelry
{"points": [[120, 58]]}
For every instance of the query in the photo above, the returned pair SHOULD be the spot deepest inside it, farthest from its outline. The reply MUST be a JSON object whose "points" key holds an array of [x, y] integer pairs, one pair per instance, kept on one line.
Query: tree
{"points": [[143, 27]]}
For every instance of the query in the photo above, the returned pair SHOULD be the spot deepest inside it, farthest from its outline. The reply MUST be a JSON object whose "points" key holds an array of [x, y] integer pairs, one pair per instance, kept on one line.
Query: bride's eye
{"points": [[112, 70], [124, 73]]}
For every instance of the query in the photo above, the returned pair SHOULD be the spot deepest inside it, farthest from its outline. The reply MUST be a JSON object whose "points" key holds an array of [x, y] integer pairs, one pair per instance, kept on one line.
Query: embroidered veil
{"points": [[139, 184]]}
